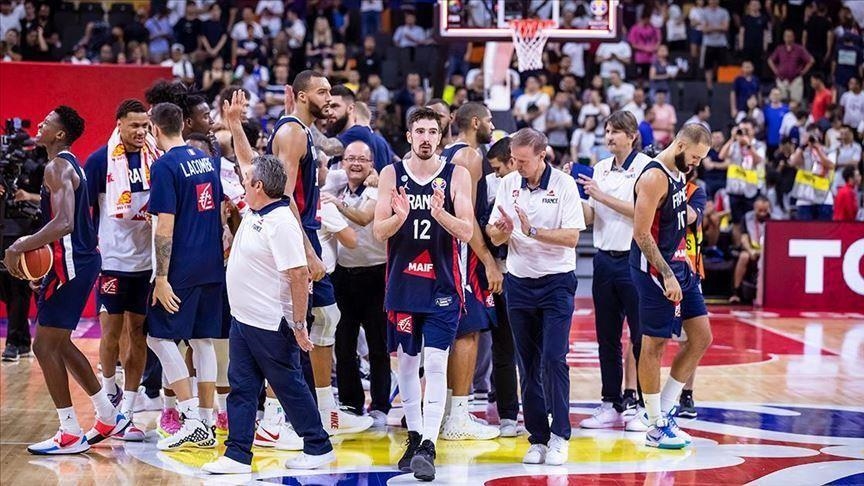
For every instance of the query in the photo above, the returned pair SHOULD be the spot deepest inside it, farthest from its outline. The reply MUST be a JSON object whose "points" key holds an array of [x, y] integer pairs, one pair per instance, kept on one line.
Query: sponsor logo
{"points": [[439, 184], [334, 419], [204, 196], [443, 301], [404, 178], [515, 193], [815, 253], [404, 323], [125, 198], [678, 310], [490, 301], [422, 266], [551, 193], [108, 286]]}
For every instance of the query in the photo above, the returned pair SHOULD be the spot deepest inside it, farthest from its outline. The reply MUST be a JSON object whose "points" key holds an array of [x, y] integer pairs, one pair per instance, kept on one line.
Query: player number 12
{"points": [[421, 229]]}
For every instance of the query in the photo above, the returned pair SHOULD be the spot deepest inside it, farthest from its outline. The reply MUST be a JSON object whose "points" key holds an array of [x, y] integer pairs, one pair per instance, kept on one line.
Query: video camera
{"points": [[17, 158]]}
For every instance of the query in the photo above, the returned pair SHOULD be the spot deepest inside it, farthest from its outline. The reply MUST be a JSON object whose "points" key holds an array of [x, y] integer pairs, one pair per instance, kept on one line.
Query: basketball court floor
{"points": [[780, 401]]}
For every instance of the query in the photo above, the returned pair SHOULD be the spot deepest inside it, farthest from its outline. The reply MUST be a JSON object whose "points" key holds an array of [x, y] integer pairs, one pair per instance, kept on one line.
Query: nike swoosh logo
{"points": [[269, 436], [67, 440]]}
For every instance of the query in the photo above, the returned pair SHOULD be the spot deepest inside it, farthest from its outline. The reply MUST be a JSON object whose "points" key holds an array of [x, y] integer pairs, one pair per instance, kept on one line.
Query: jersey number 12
{"points": [[421, 229]]}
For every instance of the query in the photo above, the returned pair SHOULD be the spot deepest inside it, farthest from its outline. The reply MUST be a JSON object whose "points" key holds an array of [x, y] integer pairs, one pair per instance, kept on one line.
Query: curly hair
{"points": [[174, 92], [72, 123]]}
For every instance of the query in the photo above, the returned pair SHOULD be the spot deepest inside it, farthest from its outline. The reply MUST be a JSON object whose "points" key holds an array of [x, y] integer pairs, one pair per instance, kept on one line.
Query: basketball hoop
{"points": [[529, 37]]}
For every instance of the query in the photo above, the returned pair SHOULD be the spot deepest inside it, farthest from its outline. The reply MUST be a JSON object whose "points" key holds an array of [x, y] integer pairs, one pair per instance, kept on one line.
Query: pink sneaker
{"points": [[169, 422], [222, 423]]}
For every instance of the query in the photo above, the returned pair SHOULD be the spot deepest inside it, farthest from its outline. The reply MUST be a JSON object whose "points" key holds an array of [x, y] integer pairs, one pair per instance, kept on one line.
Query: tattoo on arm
{"points": [[652, 254], [163, 254]]}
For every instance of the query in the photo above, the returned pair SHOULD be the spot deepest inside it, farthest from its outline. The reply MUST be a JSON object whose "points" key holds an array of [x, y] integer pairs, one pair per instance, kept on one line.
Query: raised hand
{"points": [[590, 185], [235, 110], [504, 222], [289, 99], [523, 220], [437, 203], [399, 203]]}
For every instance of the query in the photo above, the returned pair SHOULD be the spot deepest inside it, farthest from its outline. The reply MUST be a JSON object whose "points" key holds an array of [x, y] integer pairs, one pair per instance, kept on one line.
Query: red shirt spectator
{"points": [[822, 97], [846, 200]]}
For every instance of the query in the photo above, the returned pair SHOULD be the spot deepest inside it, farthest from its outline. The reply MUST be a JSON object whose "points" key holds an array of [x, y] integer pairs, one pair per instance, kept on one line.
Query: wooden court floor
{"points": [[780, 401]]}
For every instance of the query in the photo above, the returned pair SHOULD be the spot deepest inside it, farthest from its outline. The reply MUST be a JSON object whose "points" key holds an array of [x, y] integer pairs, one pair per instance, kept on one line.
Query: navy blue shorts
{"points": [[61, 305], [199, 317], [478, 316], [119, 292], [658, 316], [414, 331], [226, 314], [323, 293]]}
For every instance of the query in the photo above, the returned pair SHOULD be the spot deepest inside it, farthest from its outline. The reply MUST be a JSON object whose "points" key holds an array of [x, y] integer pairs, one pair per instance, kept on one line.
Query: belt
{"points": [[616, 254]]}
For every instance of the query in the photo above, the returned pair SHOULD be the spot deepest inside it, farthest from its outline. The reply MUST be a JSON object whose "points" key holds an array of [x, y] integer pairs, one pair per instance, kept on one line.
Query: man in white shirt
{"points": [[180, 66], [852, 102], [268, 289], [637, 106], [618, 93], [10, 16], [538, 213], [613, 56], [410, 34], [530, 106], [701, 114]]}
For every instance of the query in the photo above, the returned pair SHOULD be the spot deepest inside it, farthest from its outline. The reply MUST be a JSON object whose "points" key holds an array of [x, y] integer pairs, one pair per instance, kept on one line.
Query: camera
{"points": [[20, 168], [812, 140]]}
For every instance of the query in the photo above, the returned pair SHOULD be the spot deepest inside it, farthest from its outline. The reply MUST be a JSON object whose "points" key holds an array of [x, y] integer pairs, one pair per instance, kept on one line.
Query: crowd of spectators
{"points": [[796, 104]]}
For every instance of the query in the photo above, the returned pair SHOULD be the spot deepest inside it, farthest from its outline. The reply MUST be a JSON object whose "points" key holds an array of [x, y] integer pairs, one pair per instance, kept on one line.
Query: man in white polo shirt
{"points": [[268, 289], [539, 215], [610, 208]]}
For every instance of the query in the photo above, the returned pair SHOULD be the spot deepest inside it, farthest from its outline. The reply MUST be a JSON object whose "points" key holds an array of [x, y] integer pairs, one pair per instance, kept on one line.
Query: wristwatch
{"points": [[298, 325], [532, 232]]}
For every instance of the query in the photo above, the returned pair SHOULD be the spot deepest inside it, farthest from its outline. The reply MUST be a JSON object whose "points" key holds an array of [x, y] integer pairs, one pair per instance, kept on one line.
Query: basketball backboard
{"points": [[489, 19]]}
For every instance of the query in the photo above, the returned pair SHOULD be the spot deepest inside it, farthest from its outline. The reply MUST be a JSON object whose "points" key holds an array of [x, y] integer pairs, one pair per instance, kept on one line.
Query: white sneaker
{"points": [[639, 423], [557, 451], [147, 404], [461, 427], [193, 434], [509, 428], [662, 436], [678, 430], [379, 418], [288, 440], [305, 461], [605, 417], [536, 454], [226, 465], [268, 433], [336, 421]]}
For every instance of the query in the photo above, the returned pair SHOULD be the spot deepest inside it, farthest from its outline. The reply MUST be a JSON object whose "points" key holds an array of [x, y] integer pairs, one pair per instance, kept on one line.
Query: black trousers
{"points": [[360, 294], [503, 363], [16, 294]]}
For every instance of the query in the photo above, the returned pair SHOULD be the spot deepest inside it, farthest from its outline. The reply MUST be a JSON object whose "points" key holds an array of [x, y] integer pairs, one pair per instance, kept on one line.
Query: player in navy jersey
{"points": [[125, 244], [186, 195], [69, 230], [670, 295], [423, 211], [482, 277], [292, 143]]}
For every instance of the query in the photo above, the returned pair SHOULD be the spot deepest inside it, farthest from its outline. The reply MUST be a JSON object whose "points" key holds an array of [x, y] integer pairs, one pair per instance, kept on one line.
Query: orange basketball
{"points": [[36, 263]]}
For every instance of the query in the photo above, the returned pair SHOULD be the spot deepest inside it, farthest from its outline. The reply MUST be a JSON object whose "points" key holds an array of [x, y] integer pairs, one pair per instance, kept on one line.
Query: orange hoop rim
{"points": [[528, 28]]}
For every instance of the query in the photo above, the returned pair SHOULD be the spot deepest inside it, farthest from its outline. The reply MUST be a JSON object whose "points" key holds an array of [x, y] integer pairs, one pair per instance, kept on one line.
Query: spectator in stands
{"points": [[79, 55], [713, 167], [342, 64], [852, 102], [576, 52], [846, 21], [752, 39], [618, 93], [213, 37], [774, 112], [10, 17], [676, 29], [694, 31], [530, 107], [752, 241], [246, 37], [848, 154], [812, 203], [595, 107], [613, 56], [646, 132], [368, 62], [320, 45], [848, 61], [817, 37], [746, 181], [161, 35], [107, 55], [789, 62], [745, 85], [180, 66], [822, 96], [269, 14], [35, 46], [216, 78], [405, 98], [370, 16], [847, 204], [559, 121], [714, 40], [583, 140], [410, 34], [644, 39], [187, 30], [701, 115], [661, 72], [11, 50], [637, 105], [665, 119]]}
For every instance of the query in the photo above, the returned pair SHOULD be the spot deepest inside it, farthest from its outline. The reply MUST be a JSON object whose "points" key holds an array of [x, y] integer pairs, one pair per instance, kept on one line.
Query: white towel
{"points": [[118, 192]]}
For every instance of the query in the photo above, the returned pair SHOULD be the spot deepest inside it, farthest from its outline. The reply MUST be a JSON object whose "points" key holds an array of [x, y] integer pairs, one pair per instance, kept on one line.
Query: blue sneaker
{"points": [[117, 396], [61, 443], [662, 436], [674, 424]]}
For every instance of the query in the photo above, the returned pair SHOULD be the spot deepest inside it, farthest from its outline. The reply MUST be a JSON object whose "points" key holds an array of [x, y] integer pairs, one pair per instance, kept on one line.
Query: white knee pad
{"points": [[173, 365], [324, 326], [221, 347], [204, 359]]}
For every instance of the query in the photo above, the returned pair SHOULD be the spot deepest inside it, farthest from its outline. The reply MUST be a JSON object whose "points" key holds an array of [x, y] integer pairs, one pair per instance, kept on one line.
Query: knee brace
{"points": [[204, 359], [324, 326], [173, 365]]}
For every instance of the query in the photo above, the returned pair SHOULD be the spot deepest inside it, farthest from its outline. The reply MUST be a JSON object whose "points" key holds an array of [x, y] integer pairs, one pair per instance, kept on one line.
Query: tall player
{"points": [[292, 144], [70, 231], [669, 292], [482, 276], [118, 181], [423, 221]]}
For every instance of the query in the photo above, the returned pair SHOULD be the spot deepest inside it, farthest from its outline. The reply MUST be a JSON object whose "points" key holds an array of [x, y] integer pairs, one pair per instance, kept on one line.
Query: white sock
{"points": [[408, 377], [325, 398], [669, 395], [652, 406], [104, 409], [459, 406], [448, 403], [435, 364], [127, 405], [206, 415], [189, 408], [69, 421], [169, 402], [272, 411], [222, 401], [109, 383]]}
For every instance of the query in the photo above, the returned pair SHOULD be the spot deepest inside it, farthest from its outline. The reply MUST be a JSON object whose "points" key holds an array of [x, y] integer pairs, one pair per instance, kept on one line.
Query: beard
{"points": [[484, 137], [337, 126], [423, 156], [681, 163], [319, 112]]}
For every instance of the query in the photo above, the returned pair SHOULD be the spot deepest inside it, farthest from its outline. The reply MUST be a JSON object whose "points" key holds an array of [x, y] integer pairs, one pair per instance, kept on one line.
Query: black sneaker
{"points": [[423, 462], [630, 400], [24, 352], [10, 354], [411, 446], [686, 407]]}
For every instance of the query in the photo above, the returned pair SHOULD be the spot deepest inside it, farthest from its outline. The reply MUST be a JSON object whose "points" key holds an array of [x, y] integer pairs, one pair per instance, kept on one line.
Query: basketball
{"points": [[36, 263]]}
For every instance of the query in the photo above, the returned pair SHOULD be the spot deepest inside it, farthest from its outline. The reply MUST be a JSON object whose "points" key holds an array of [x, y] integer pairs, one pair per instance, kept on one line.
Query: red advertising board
{"points": [[814, 266]]}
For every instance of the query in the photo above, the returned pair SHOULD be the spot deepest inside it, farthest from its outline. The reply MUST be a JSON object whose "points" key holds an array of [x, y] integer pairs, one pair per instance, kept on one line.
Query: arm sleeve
{"points": [[163, 191], [286, 242]]}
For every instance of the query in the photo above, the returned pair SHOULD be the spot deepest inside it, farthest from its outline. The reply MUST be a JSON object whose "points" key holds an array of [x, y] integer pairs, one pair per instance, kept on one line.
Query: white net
{"points": [[529, 38]]}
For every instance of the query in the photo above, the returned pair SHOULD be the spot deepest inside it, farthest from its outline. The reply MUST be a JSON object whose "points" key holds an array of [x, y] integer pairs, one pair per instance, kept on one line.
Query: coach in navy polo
{"points": [[268, 290], [539, 215]]}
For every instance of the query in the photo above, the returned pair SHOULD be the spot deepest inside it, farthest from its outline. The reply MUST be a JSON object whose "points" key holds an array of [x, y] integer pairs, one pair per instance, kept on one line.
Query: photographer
{"points": [[745, 176], [20, 181], [812, 188]]}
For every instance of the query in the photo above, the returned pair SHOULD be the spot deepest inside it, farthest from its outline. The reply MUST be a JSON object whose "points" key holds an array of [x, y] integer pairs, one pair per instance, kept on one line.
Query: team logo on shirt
{"points": [[205, 197], [550, 197], [439, 184], [108, 285], [404, 323], [422, 266]]}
